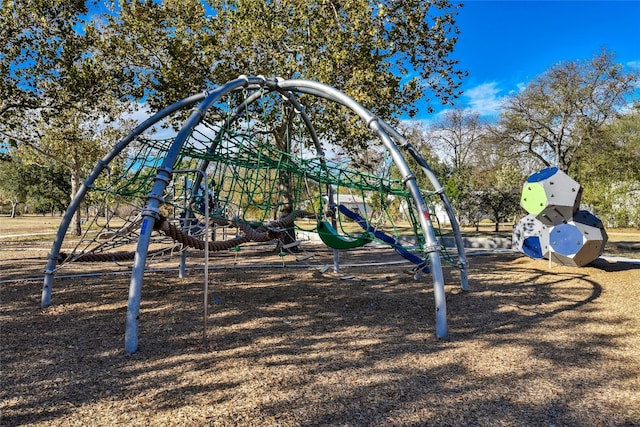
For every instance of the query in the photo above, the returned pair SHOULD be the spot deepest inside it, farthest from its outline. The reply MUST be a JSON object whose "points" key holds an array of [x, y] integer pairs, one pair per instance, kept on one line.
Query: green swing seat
{"points": [[331, 238]]}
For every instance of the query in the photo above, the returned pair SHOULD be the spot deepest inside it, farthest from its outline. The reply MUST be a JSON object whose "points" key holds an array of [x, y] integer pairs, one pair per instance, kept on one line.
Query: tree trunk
{"points": [[14, 208], [77, 218], [286, 193], [285, 184]]}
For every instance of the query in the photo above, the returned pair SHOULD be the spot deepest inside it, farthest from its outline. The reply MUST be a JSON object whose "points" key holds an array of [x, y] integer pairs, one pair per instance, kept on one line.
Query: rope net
{"points": [[258, 187]]}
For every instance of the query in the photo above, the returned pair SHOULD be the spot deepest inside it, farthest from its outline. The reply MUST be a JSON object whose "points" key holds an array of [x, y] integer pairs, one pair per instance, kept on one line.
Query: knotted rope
{"points": [[263, 234]]}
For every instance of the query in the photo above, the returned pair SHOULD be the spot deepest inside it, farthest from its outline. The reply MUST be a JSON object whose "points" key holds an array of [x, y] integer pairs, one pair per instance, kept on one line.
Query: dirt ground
{"points": [[528, 345]]}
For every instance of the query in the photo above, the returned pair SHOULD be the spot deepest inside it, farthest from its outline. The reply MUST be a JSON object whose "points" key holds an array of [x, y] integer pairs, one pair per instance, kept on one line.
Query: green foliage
{"points": [[459, 187], [56, 97], [45, 188], [498, 187], [50, 66], [609, 171], [12, 190], [49, 188], [171, 49], [159, 51]]}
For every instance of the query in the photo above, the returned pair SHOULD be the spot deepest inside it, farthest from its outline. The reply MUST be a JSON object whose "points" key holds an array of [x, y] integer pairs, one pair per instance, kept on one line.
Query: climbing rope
{"points": [[107, 256]]}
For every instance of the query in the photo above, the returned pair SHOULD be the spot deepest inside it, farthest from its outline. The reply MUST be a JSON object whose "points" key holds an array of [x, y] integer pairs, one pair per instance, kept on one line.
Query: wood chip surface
{"points": [[528, 345]]}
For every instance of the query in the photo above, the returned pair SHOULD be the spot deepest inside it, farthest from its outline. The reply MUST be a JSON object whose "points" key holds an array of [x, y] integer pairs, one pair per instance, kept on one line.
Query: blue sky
{"points": [[505, 44]]}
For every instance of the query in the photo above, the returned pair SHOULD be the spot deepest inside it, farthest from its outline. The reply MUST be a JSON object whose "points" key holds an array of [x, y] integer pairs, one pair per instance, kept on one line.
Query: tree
{"points": [[456, 138], [49, 188], [364, 48], [562, 111], [416, 133], [12, 188], [499, 172], [457, 135], [45, 188], [609, 172], [160, 52], [501, 198], [462, 190], [54, 91]]}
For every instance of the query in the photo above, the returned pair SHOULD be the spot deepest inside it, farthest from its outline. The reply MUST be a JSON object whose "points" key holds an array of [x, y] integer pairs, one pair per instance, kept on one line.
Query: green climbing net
{"points": [[250, 184]]}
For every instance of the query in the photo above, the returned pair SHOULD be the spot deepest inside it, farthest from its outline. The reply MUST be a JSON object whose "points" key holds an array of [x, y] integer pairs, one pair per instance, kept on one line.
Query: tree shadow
{"points": [[610, 266], [299, 348]]}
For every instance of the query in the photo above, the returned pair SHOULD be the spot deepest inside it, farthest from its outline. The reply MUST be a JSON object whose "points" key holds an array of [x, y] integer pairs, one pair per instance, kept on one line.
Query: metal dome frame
{"points": [[200, 103]]}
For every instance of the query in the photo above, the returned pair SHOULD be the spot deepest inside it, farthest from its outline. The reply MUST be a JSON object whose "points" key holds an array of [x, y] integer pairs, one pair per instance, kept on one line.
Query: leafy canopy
{"points": [[385, 54]]}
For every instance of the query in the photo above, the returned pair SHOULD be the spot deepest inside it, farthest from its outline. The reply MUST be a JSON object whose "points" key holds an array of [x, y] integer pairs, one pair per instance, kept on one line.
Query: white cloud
{"points": [[484, 99], [520, 87], [635, 65]]}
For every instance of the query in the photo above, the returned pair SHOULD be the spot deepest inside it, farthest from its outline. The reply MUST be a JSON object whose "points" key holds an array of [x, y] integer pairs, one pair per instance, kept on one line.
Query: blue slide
{"points": [[415, 259]]}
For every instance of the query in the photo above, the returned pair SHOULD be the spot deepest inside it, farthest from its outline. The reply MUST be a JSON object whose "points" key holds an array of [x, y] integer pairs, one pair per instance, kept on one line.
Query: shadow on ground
{"points": [[527, 346]]}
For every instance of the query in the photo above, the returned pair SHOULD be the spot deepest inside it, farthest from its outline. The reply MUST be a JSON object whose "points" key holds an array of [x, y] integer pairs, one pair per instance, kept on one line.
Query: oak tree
{"points": [[55, 89], [561, 112]]}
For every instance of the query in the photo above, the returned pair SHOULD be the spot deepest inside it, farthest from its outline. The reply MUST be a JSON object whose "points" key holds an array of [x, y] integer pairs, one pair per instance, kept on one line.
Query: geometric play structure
{"points": [[551, 195], [555, 229], [577, 242], [244, 164]]}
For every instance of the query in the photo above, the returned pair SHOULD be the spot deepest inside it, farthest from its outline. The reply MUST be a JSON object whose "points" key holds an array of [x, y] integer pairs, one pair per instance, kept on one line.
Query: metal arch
{"points": [[302, 86], [151, 213], [463, 264], [164, 175]]}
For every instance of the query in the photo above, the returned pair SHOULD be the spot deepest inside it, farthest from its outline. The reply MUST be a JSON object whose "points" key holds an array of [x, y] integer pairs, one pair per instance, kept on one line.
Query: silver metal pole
{"points": [[463, 264], [151, 212], [205, 286]]}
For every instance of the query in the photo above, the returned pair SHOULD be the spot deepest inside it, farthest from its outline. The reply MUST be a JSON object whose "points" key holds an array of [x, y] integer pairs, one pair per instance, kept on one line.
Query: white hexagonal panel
{"points": [[576, 243], [528, 235]]}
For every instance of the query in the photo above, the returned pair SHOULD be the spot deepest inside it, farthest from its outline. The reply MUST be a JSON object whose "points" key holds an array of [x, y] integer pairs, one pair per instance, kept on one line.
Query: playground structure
{"points": [[555, 228], [247, 165]]}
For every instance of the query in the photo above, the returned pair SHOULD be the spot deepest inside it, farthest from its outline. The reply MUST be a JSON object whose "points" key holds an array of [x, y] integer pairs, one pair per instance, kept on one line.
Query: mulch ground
{"points": [[529, 345]]}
